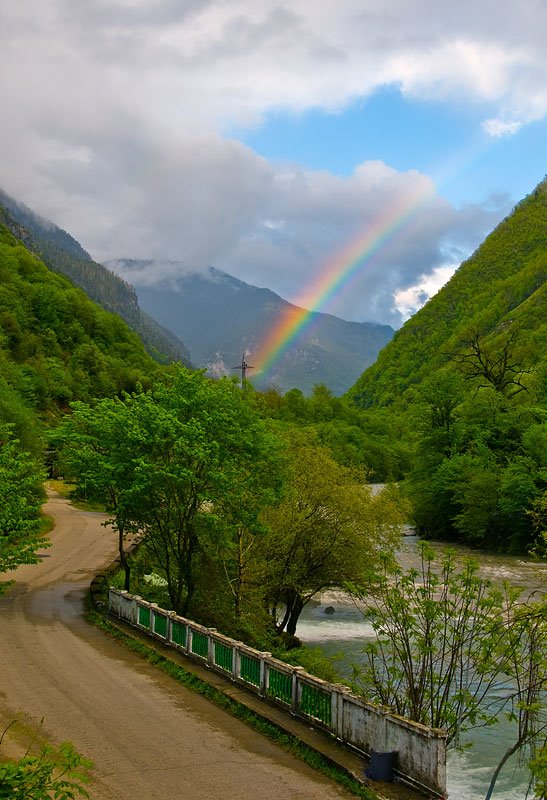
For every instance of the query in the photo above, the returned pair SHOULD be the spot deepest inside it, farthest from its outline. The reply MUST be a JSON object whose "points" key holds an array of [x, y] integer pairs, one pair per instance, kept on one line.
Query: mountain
{"points": [[498, 295], [63, 254], [220, 317], [56, 345]]}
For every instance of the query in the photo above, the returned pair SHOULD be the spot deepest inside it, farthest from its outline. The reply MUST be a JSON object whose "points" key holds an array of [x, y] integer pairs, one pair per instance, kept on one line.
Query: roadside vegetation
{"points": [[51, 772]]}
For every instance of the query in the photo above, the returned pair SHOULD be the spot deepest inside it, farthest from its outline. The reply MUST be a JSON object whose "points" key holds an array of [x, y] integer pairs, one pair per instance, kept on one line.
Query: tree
{"points": [[442, 394], [182, 460], [96, 454], [447, 642], [527, 665], [538, 516], [326, 530], [21, 496], [497, 368]]}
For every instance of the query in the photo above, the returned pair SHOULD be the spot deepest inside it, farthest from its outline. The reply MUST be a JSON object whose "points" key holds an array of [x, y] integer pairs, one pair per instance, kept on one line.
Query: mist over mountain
{"points": [[220, 317]]}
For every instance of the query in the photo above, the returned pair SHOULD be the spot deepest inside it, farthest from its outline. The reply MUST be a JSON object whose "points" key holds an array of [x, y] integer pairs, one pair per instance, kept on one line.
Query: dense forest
{"points": [[56, 346], [467, 379]]}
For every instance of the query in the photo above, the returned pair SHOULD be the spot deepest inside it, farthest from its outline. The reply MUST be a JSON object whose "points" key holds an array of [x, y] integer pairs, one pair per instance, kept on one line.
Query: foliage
{"points": [[439, 643], [327, 529], [21, 496], [58, 773], [453, 652], [64, 255], [497, 293], [468, 373], [479, 482], [370, 439], [538, 768], [185, 465], [57, 346]]}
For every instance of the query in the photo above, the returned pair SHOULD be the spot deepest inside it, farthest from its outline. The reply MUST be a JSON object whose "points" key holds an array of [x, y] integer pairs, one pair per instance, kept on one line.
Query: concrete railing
{"points": [[367, 728]]}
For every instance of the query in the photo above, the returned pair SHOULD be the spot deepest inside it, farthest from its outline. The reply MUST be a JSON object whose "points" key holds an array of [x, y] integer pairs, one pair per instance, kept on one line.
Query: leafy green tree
{"points": [[527, 665], [326, 530], [96, 454], [439, 634], [21, 496], [538, 517], [538, 768], [447, 642], [180, 464], [441, 394]]}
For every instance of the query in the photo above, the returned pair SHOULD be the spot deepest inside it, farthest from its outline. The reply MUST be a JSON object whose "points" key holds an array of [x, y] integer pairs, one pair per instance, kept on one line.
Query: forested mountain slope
{"points": [[498, 293], [56, 345], [466, 378], [63, 254]]}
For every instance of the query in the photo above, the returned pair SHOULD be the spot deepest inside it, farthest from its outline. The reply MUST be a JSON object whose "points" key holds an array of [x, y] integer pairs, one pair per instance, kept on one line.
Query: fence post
{"points": [[262, 689], [237, 660], [210, 647], [337, 699], [169, 631], [295, 675]]}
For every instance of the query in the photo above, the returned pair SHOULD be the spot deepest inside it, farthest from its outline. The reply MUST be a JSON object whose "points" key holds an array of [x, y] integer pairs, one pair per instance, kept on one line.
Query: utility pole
{"points": [[243, 367]]}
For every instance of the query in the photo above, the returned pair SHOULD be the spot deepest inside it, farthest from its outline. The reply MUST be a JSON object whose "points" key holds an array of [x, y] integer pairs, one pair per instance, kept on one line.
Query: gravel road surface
{"points": [[150, 739]]}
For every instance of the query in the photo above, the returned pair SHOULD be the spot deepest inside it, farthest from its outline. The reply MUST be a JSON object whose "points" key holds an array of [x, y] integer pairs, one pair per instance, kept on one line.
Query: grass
{"points": [[47, 523], [289, 743], [66, 490]]}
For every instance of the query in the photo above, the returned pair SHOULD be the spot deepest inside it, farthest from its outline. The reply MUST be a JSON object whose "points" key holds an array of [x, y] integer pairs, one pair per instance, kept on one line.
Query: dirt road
{"points": [[150, 738]]}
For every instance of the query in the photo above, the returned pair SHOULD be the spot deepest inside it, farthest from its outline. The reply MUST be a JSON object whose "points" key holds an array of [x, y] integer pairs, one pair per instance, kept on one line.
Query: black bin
{"points": [[381, 766]]}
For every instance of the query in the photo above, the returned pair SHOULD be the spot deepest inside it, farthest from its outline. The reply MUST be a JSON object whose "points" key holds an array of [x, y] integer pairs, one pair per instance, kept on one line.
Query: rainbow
{"points": [[336, 275]]}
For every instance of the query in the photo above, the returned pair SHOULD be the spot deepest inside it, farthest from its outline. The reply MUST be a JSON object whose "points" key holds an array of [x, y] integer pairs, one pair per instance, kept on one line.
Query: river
{"points": [[339, 636]]}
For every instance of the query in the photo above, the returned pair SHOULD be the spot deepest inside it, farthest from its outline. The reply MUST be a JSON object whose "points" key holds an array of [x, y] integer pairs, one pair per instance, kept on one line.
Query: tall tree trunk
{"points": [[295, 609], [124, 563]]}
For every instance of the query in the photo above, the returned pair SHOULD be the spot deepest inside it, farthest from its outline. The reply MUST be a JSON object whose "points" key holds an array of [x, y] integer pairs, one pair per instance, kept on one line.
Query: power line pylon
{"points": [[243, 367]]}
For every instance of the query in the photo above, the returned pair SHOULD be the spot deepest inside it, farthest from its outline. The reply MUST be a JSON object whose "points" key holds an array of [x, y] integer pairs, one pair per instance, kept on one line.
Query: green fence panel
{"points": [[160, 625], [144, 616], [200, 644], [316, 703], [178, 633], [280, 685], [224, 657], [249, 669]]}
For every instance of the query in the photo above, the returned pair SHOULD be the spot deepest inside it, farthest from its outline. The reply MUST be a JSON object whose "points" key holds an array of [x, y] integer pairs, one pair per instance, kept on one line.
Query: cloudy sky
{"points": [[271, 139]]}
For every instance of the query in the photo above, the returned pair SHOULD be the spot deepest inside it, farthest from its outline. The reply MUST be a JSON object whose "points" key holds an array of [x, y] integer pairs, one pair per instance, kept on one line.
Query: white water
{"points": [[340, 635]]}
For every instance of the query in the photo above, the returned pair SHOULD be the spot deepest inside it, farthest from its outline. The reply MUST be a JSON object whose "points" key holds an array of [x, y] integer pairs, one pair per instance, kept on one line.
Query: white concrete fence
{"points": [[367, 728]]}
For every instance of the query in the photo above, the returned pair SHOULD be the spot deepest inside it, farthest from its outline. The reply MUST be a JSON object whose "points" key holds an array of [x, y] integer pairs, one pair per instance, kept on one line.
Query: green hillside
{"points": [[466, 379], [63, 254], [499, 291], [56, 345]]}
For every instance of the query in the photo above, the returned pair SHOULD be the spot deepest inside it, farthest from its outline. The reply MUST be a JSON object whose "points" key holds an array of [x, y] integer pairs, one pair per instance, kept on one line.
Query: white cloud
{"points": [[116, 112], [408, 301], [499, 127]]}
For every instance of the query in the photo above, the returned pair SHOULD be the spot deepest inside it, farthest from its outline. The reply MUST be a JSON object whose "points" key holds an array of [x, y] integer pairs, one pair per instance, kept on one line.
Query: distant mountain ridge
{"points": [[63, 254], [220, 317], [499, 293]]}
